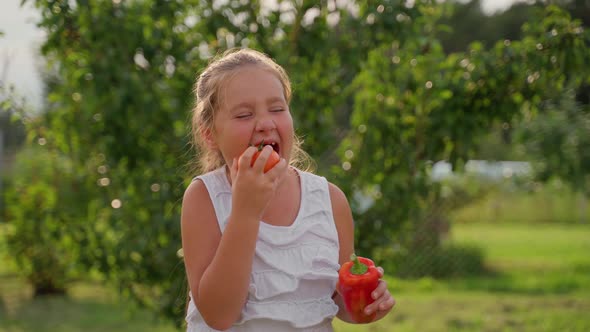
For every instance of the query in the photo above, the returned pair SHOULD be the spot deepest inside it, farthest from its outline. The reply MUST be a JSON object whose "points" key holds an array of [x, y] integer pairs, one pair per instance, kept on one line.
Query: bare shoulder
{"points": [[197, 208], [196, 202], [337, 195], [343, 221], [196, 191]]}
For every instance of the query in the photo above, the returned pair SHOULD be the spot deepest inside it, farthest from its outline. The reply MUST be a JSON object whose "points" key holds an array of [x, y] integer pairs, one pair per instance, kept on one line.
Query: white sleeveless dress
{"points": [[295, 267]]}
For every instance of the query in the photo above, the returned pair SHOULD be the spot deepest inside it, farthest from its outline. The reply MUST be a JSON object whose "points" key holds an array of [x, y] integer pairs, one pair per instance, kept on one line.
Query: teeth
{"points": [[264, 143]]}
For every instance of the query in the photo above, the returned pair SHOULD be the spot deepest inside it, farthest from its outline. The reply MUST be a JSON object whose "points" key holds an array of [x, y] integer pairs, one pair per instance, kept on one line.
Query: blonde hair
{"points": [[207, 91]]}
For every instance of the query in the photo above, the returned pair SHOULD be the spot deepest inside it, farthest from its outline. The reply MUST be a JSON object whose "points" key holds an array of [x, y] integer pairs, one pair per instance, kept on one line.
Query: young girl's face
{"points": [[253, 110]]}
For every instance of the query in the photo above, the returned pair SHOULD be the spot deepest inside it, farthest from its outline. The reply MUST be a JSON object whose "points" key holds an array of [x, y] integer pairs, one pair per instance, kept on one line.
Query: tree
{"points": [[415, 105], [373, 74], [558, 141]]}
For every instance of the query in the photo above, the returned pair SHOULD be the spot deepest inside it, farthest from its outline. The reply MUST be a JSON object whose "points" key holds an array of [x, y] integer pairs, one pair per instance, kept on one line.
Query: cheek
{"points": [[286, 124], [287, 135], [290, 124], [236, 140], [240, 133], [230, 131]]}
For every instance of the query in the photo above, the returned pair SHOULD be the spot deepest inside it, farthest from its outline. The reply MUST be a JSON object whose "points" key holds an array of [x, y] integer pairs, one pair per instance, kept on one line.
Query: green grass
{"points": [[550, 203], [530, 247], [452, 311], [87, 307], [540, 281]]}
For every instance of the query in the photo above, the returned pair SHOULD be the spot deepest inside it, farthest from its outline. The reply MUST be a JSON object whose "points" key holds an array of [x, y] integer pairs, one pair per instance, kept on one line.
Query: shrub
{"points": [[38, 213], [445, 262]]}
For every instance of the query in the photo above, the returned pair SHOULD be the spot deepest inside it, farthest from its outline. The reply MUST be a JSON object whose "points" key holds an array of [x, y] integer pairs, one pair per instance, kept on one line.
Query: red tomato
{"points": [[272, 160]]}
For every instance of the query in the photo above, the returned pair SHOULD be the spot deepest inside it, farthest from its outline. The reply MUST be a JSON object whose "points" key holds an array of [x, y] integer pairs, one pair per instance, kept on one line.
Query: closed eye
{"points": [[277, 110], [243, 115]]}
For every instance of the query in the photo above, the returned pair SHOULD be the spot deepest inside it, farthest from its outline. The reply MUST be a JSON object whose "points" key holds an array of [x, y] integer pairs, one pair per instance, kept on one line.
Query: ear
{"points": [[208, 138]]}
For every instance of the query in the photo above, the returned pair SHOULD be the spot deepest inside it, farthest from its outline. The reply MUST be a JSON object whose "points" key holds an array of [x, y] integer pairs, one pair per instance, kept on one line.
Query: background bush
{"points": [[378, 100]]}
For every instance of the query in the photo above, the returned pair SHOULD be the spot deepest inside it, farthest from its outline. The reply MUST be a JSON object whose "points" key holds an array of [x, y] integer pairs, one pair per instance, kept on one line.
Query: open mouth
{"points": [[274, 145]]}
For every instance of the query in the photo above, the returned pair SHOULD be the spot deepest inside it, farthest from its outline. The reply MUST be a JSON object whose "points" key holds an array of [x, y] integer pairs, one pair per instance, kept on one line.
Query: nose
{"points": [[265, 124]]}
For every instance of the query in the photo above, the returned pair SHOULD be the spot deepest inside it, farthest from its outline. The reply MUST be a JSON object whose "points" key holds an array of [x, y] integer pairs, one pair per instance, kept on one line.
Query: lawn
{"points": [[88, 308], [540, 282]]}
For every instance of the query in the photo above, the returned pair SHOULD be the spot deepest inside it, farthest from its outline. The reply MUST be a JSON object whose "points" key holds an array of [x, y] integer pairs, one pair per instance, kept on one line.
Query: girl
{"points": [[262, 249]]}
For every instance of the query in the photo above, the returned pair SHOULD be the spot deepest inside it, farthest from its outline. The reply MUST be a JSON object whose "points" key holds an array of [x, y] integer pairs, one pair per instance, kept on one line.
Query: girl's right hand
{"points": [[252, 189]]}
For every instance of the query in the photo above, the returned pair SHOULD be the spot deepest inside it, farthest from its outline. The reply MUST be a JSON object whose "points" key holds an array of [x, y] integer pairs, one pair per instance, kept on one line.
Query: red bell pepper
{"points": [[357, 279]]}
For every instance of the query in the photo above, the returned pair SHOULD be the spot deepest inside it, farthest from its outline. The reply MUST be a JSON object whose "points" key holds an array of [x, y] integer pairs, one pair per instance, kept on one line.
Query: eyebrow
{"points": [[275, 99], [244, 104]]}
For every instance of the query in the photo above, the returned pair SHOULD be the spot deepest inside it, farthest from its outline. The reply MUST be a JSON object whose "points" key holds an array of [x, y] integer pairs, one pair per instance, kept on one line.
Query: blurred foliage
{"points": [[445, 262], [415, 105], [526, 201], [376, 98], [43, 238], [558, 141], [468, 23], [11, 127]]}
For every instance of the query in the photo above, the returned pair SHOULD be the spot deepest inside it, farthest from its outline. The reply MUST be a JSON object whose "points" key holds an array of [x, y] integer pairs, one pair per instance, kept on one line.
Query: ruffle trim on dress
{"points": [[300, 314], [297, 258], [277, 283], [283, 237], [280, 271], [316, 314]]}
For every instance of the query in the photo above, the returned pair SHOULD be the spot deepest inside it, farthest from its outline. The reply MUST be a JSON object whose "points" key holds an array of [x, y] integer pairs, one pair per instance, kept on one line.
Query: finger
{"points": [[384, 308], [279, 170], [380, 290], [262, 158], [387, 303], [233, 169], [246, 157], [381, 271], [380, 304], [378, 296]]}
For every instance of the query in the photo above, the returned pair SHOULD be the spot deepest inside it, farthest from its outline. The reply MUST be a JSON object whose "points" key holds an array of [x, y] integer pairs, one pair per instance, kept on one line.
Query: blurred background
{"points": [[459, 130]]}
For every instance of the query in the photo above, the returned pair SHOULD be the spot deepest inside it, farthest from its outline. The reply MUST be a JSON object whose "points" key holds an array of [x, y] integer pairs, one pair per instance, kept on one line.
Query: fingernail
{"points": [[374, 295]]}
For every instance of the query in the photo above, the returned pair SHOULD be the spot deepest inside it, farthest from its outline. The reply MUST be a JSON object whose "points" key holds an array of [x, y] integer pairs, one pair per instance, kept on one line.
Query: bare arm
{"points": [[218, 266], [345, 227], [384, 302]]}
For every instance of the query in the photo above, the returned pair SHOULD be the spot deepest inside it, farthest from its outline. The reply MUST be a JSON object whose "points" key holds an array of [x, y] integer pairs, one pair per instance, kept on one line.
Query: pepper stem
{"points": [[357, 268]]}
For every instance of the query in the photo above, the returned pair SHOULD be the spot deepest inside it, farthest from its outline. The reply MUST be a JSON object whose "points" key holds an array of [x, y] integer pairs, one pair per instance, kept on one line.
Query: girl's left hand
{"points": [[384, 302]]}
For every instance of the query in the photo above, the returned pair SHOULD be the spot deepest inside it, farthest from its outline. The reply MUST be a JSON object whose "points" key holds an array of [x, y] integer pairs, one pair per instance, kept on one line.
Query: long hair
{"points": [[207, 92]]}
